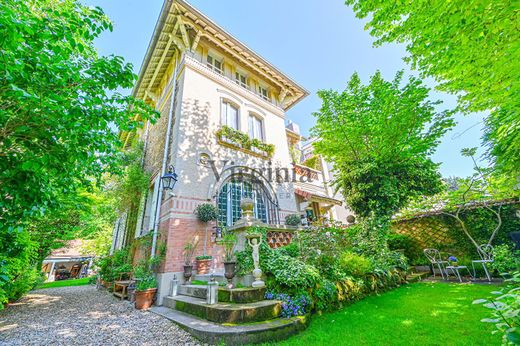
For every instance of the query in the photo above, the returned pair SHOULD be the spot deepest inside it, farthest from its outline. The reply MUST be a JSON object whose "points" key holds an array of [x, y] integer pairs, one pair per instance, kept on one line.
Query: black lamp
{"points": [[169, 179]]}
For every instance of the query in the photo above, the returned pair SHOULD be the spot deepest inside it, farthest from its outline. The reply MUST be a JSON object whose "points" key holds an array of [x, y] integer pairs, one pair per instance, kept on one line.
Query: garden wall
{"points": [[443, 232]]}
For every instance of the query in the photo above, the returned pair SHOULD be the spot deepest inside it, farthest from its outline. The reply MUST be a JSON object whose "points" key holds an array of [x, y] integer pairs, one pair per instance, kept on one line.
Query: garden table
{"points": [[456, 270]]}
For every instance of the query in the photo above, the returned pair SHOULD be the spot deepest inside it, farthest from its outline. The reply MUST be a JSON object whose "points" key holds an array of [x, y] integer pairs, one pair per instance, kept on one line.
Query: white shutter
{"points": [[140, 215], [154, 205]]}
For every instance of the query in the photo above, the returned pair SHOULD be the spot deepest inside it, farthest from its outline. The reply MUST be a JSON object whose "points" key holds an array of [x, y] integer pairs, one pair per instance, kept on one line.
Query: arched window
{"points": [[242, 186]]}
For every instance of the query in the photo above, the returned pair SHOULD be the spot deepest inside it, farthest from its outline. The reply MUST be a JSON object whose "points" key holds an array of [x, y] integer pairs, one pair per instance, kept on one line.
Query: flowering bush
{"points": [[297, 306]]}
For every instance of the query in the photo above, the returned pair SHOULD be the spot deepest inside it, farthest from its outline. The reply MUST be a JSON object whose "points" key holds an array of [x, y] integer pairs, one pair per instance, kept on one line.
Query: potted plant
{"points": [[189, 249], [203, 264], [205, 212], [453, 261], [293, 220], [229, 241], [146, 285]]}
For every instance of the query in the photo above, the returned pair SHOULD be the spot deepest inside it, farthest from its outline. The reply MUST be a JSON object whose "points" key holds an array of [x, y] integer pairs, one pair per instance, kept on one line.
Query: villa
{"points": [[212, 92]]}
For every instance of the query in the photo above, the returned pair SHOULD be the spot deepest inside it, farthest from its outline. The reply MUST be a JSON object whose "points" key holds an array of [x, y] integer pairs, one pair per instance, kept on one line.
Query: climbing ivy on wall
{"points": [[444, 233]]}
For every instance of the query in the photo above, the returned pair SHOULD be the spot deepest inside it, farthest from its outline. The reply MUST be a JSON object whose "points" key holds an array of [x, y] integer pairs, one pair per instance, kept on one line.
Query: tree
{"points": [[470, 48], [60, 112], [379, 138], [482, 190]]}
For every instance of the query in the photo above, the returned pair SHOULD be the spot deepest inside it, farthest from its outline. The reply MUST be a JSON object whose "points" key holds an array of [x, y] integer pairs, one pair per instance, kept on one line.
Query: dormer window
{"points": [[214, 64], [241, 79], [263, 93]]}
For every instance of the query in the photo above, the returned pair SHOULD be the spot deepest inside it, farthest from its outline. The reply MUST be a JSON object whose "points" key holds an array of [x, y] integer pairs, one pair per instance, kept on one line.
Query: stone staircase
{"points": [[241, 316]]}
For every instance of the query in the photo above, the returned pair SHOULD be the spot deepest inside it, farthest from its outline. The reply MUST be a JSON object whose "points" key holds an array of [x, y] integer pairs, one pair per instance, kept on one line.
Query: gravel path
{"points": [[83, 315]]}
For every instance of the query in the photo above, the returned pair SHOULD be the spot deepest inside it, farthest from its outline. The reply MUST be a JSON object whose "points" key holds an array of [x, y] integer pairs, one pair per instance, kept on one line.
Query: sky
{"points": [[319, 44]]}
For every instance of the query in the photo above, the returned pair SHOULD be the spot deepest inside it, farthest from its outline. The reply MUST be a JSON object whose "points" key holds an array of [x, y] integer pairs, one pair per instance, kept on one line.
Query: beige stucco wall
{"points": [[199, 119]]}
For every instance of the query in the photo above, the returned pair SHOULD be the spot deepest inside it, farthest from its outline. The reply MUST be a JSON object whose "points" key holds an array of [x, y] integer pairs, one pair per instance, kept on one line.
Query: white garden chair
{"points": [[434, 256], [485, 252]]}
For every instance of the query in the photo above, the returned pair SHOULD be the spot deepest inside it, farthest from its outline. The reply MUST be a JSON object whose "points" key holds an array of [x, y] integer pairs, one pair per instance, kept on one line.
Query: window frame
{"points": [[211, 65], [224, 104], [261, 88], [252, 117], [238, 75]]}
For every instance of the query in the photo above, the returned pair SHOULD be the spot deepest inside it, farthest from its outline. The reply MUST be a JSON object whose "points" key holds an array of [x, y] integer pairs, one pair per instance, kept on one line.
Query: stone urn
{"points": [[144, 299], [247, 206], [188, 272], [230, 271]]}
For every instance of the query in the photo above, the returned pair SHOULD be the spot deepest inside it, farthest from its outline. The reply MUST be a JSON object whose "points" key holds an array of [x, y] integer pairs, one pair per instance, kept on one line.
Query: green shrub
{"points": [[355, 265], [206, 212], [293, 220], [325, 295], [408, 244], [145, 276], [505, 259], [292, 272], [203, 257], [24, 282], [291, 250], [111, 267]]}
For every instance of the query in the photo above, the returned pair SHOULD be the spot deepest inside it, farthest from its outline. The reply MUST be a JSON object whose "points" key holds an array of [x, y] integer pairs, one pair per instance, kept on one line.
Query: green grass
{"points": [[416, 314], [65, 283]]}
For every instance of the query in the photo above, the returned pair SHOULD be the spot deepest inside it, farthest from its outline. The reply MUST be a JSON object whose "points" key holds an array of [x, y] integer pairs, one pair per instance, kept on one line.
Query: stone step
{"points": [[245, 334], [415, 277], [207, 277], [197, 291], [225, 312], [234, 295]]}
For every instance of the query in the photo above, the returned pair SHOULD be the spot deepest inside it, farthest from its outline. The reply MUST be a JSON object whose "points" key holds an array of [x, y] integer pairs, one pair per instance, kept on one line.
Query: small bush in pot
{"points": [[203, 264], [293, 220], [206, 212], [189, 250], [146, 282]]}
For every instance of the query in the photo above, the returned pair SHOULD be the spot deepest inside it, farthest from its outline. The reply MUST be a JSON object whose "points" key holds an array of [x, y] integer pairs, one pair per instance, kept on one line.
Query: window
{"points": [[148, 216], [229, 115], [230, 195], [214, 64], [263, 93], [241, 79], [256, 128]]}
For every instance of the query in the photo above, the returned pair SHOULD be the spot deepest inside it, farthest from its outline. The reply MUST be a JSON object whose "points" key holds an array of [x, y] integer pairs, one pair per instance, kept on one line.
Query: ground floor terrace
{"points": [[425, 313]]}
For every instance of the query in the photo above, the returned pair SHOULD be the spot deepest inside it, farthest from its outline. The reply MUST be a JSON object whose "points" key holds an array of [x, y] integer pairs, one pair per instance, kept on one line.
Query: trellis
{"points": [[440, 231]]}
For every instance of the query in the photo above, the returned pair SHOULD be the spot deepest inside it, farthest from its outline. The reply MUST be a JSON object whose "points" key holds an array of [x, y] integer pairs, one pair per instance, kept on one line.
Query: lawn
{"points": [[416, 314], [64, 283]]}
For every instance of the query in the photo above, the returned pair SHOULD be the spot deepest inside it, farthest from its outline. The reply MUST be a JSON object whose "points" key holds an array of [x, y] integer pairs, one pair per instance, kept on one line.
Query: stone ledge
{"points": [[217, 334]]}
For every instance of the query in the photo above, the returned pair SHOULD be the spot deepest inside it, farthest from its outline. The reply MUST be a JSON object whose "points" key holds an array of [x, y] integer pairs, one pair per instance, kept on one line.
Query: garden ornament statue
{"points": [[254, 240]]}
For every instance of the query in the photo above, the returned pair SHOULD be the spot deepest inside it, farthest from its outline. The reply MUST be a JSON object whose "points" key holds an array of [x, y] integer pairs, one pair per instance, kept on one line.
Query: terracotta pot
{"points": [[144, 299], [230, 270], [203, 266], [188, 272]]}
